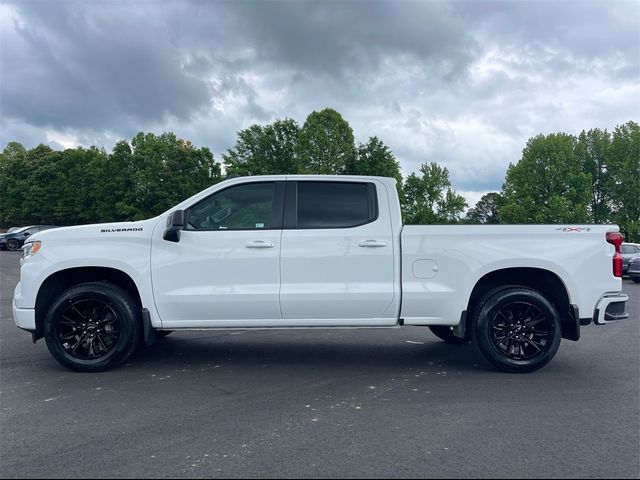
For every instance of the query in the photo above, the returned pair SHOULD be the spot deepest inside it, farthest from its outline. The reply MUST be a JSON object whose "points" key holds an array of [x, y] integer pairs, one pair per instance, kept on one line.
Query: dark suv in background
{"points": [[14, 239]]}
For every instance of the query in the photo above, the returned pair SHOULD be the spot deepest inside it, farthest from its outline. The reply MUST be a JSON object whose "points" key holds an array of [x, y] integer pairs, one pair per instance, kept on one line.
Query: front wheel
{"points": [[517, 329], [93, 327]]}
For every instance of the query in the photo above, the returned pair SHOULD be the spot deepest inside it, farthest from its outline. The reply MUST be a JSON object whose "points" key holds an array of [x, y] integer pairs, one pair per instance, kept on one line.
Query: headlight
{"points": [[30, 249]]}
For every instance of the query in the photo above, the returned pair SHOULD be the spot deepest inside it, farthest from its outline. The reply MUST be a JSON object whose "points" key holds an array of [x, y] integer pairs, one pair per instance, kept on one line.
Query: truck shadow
{"points": [[180, 351]]}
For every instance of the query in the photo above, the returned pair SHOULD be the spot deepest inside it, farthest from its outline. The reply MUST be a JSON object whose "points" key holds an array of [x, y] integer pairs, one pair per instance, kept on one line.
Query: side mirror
{"points": [[175, 223]]}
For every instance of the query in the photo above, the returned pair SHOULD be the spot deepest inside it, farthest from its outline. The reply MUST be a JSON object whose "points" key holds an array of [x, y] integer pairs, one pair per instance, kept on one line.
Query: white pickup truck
{"points": [[314, 252]]}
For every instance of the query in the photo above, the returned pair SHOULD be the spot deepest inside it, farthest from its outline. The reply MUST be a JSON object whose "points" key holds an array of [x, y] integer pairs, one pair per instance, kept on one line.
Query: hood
{"points": [[116, 230]]}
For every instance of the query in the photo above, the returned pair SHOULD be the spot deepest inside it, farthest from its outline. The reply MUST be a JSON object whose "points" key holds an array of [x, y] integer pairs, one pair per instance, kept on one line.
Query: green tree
{"points": [[14, 180], [593, 153], [264, 150], [374, 158], [67, 181], [113, 183], [625, 173], [325, 143], [487, 210], [429, 198], [164, 171], [36, 205], [547, 185]]}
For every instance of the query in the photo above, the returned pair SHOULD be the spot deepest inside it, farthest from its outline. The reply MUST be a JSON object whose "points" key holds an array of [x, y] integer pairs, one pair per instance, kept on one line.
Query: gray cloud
{"points": [[462, 83], [80, 68]]}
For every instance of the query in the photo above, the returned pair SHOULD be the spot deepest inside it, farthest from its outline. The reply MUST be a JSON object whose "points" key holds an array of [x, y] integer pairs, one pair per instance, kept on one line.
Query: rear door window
{"points": [[330, 204]]}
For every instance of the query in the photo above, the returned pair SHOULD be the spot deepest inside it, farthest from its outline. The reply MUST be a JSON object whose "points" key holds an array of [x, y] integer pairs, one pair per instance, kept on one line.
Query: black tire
{"points": [[13, 244], [636, 279], [517, 329], [445, 333], [93, 327]]}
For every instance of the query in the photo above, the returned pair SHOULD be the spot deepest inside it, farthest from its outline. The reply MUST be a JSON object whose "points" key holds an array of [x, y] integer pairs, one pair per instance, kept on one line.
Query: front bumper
{"points": [[25, 318], [611, 308]]}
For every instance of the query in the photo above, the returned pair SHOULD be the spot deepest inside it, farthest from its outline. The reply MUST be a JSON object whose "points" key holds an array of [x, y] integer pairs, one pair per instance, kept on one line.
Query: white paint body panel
{"points": [[89, 246], [464, 254], [344, 275], [213, 276], [318, 278]]}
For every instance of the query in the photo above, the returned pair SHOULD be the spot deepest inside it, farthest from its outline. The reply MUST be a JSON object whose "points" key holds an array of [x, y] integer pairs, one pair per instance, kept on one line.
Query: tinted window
{"points": [[628, 249], [243, 207], [335, 204]]}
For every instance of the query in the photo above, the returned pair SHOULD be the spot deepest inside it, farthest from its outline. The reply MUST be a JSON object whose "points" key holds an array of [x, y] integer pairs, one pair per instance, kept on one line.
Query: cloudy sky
{"points": [[462, 83]]}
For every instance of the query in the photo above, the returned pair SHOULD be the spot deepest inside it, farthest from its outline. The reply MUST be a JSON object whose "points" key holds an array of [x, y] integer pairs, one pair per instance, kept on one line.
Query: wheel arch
{"points": [[60, 281], [548, 283]]}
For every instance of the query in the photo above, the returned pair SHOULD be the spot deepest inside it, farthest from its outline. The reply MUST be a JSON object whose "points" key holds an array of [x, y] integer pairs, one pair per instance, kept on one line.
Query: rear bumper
{"points": [[611, 308]]}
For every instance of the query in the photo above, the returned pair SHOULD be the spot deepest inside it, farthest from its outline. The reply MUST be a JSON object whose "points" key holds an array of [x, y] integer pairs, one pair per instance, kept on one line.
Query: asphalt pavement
{"points": [[341, 403]]}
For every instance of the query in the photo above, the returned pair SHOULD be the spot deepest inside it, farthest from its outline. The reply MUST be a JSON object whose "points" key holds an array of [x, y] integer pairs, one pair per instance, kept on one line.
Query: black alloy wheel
{"points": [[93, 327], [517, 329], [89, 328], [520, 330]]}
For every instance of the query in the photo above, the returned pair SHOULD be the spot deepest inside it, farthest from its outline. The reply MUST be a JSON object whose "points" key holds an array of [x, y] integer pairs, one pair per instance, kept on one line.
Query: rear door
{"points": [[337, 254]]}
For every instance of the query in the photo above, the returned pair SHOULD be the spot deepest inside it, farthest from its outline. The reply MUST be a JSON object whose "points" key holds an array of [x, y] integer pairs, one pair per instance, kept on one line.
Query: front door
{"points": [[224, 271]]}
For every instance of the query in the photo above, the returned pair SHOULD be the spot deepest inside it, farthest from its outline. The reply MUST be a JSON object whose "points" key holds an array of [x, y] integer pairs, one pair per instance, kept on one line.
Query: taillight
{"points": [[615, 239]]}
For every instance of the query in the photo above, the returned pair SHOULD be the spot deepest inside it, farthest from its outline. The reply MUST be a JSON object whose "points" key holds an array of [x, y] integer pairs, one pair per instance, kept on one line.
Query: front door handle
{"points": [[259, 244], [372, 244]]}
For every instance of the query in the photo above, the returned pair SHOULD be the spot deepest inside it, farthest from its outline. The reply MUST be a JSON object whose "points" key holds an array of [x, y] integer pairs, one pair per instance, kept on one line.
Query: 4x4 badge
{"points": [[574, 229]]}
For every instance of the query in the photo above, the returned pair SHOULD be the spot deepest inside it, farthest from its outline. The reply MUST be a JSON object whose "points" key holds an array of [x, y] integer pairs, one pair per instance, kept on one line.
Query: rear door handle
{"points": [[372, 244], [259, 244]]}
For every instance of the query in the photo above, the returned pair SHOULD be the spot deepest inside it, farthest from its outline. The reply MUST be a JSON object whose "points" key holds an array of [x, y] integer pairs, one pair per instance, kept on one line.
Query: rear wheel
{"points": [[93, 327], [13, 244], [517, 329], [445, 333]]}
